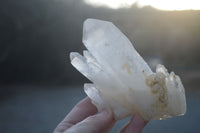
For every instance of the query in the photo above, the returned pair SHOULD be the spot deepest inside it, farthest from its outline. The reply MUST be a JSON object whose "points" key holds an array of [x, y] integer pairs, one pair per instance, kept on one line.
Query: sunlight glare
{"points": [[172, 4], [115, 4], [162, 5]]}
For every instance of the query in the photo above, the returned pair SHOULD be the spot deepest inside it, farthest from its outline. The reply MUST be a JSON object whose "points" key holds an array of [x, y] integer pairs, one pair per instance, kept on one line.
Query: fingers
{"points": [[82, 119], [99, 123], [123, 129], [136, 125], [81, 111]]}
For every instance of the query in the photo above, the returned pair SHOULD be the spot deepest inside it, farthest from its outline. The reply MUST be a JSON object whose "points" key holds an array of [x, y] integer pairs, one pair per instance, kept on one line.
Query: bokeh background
{"points": [[39, 86]]}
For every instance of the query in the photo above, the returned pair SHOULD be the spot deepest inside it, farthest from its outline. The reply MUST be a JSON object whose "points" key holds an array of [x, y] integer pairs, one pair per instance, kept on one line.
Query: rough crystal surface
{"points": [[121, 79]]}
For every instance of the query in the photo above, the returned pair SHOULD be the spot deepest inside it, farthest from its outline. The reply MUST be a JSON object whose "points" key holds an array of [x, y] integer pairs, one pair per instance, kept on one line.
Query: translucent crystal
{"points": [[122, 80]]}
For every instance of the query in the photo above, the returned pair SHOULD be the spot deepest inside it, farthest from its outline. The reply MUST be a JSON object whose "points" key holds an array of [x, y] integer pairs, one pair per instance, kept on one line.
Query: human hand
{"points": [[84, 118]]}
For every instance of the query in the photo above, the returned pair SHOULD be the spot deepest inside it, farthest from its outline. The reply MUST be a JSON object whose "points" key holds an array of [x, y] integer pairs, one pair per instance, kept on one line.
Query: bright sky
{"points": [[159, 4]]}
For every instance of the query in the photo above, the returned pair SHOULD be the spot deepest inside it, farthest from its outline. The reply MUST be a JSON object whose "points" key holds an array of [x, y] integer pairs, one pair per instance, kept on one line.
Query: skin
{"points": [[84, 118]]}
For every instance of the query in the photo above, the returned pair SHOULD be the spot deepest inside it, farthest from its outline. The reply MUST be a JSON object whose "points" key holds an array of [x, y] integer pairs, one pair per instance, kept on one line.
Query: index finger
{"points": [[136, 125], [81, 111]]}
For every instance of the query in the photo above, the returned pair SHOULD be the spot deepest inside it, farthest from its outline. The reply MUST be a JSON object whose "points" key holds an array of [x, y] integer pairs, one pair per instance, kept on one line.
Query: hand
{"points": [[84, 119]]}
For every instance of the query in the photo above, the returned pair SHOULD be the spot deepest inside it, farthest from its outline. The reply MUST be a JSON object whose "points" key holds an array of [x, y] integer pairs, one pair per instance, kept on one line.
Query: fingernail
{"points": [[106, 112], [138, 119]]}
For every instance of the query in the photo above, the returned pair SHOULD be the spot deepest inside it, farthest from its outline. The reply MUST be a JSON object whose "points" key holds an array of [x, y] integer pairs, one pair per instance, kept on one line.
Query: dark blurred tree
{"points": [[36, 37]]}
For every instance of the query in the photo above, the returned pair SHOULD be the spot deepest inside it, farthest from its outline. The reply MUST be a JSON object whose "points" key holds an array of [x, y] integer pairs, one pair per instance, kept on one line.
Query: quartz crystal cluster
{"points": [[122, 80]]}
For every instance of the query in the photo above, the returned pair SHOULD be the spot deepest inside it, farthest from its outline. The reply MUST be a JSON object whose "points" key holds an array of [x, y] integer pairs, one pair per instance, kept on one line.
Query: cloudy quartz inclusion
{"points": [[122, 80]]}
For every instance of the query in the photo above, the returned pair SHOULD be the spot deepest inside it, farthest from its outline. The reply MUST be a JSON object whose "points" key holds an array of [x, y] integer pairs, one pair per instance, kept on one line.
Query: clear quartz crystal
{"points": [[122, 80]]}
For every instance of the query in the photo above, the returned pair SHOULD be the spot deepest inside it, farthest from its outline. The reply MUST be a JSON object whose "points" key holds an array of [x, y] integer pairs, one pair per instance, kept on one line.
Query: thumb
{"points": [[98, 123]]}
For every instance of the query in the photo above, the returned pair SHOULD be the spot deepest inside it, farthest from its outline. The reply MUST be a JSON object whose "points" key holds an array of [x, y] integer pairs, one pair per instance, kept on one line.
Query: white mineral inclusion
{"points": [[122, 80]]}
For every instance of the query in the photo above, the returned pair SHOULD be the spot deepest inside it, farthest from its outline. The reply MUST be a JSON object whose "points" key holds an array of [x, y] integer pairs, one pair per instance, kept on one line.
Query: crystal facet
{"points": [[122, 80]]}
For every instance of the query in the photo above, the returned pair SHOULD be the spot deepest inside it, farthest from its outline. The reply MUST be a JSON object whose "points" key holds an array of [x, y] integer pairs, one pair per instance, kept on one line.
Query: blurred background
{"points": [[39, 86]]}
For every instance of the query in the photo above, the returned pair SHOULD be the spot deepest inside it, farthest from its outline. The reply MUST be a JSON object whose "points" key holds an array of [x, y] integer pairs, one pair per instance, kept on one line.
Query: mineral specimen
{"points": [[122, 80]]}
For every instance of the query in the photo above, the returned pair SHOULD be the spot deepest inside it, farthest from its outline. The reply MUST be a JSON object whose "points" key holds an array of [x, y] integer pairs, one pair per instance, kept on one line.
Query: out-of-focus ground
{"points": [[36, 109]]}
